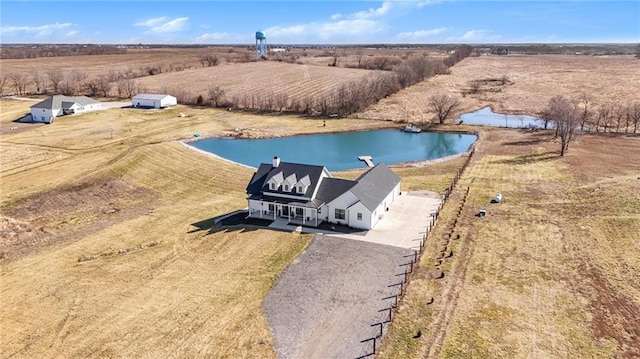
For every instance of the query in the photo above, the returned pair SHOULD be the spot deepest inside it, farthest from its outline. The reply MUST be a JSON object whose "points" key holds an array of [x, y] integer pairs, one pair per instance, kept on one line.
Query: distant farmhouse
{"points": [[58, 105], [150, 100], [309, 195]]}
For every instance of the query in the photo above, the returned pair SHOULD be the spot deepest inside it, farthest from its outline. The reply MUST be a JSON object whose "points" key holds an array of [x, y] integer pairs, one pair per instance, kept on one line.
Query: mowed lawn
{"points": [[107, 248], [550, 272]]}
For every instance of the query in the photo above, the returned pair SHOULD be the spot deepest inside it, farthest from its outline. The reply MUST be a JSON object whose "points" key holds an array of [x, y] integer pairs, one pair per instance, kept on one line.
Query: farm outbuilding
{"points": [[150, 100], [59, 105]]}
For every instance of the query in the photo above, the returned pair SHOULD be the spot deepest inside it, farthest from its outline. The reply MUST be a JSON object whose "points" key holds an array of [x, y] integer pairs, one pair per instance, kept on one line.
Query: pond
{"points": [[486, 117], [340, 151]]}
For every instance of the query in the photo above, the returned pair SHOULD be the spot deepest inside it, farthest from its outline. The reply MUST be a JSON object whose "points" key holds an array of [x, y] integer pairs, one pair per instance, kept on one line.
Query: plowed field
{"points": [[257, 78]]}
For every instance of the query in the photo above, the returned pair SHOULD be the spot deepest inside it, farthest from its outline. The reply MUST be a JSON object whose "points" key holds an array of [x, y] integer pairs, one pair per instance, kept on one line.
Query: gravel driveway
{"points": [[324, 303]]}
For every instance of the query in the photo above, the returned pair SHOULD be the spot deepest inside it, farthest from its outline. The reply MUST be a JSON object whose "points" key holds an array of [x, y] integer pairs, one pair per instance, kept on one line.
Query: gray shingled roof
{"points": [[332, 188], [374, 185], [370, 188], [259, 180], [61, 101]]}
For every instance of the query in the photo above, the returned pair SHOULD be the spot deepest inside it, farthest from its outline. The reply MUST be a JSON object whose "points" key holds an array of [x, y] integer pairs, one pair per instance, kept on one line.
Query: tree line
{"points": [[347, 99]]}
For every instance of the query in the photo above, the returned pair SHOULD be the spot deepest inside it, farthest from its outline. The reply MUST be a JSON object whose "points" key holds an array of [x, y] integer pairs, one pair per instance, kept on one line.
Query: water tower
{"points": [[261, 45]]}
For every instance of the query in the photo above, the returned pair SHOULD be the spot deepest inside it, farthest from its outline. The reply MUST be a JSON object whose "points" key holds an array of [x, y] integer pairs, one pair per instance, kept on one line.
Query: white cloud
{"points": [[370, 21], [151, 22], [286, 31], [162, 25], [349, 27], [421, 34], [36, 31], [378, 12], [326, 30], [71, 33]]}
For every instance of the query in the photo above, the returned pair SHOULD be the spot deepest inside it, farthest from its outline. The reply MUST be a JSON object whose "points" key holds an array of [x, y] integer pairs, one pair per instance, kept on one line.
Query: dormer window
{"points": [[273, 186], [286, 188], [300, 189]]}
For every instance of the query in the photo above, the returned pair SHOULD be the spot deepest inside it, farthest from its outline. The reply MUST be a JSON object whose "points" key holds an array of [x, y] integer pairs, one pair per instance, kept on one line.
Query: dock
{"points": [[367, 159]]}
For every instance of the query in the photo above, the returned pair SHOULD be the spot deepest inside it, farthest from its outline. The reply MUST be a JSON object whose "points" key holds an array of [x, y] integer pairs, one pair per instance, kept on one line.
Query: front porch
{"points": [[295, 215]]}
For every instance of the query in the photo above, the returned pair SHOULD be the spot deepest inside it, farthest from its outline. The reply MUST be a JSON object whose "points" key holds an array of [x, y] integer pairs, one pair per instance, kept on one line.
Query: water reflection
{"points": [[340, 151]]}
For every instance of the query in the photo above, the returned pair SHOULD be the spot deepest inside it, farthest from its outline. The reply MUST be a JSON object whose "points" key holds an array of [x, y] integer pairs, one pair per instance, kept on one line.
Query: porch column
{"points": [[261, 208], [304, 214], [288, 213]]}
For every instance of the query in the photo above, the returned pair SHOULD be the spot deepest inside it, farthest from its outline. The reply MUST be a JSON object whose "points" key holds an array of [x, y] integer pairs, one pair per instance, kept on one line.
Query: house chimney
{"points": [[276, 161]]}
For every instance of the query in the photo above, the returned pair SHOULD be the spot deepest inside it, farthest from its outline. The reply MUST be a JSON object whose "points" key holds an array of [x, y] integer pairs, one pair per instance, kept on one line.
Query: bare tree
{"points": [[443, 105], [104, 83], [216, 95], [209, 60], [585, 113], [19, 82], [55, 77], [126, 87], [566, 118], [39, 80], [359, 55], [335, 55], [633, 115], [93, 86], [605, 116], [3, 80]]}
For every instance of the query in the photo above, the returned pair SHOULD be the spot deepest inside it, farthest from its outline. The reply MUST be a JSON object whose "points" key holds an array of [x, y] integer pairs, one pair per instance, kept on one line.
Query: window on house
{"points": [[271, 207], [300, 189], [340, 213], [298, 211], [286, 188], [359, 216], [273, 186]]}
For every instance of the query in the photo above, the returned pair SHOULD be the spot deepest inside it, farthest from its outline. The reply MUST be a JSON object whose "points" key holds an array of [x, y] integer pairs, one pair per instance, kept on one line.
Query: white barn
{"points": [[58, 105], [309, 195], [151, 100]]}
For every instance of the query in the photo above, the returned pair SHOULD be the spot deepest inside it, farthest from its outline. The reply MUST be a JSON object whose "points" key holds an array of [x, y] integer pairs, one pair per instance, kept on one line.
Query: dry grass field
{"points": [[550, 272], [106, 243], [258, 78], [533, 80]]}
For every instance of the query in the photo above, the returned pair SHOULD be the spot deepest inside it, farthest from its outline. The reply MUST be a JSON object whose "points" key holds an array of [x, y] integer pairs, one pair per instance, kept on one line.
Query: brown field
{"points": [[178, 59], [550, 272], [106, 241], [258, 78], [107, 247], [533, 81]]}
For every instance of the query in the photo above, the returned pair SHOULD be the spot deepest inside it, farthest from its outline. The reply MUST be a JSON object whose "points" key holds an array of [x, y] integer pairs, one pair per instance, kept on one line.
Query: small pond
{"points": [[340, 151], [486, 117]]}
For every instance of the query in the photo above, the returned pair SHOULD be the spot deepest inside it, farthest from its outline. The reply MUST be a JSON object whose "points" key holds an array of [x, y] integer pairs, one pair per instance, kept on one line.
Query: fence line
{"points": [[417, 255]]}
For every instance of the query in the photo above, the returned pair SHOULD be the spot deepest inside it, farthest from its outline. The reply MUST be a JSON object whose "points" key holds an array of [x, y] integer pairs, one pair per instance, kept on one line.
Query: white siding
{"points": [[344, 201], [365, 222], [44, 115], [141, 102], [168, 101]]}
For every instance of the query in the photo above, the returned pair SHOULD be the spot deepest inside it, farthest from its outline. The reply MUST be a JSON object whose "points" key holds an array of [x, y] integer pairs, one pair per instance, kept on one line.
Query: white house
{"points": [[59, 105], [152, 100], [309, 195]]}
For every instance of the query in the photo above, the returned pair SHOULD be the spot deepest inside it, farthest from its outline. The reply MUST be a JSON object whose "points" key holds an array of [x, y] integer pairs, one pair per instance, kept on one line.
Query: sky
{"points": [[319, 22]]}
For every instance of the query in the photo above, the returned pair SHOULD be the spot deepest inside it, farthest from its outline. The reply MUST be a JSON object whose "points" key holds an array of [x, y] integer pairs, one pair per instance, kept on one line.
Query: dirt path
{"points": [[325, 302]]}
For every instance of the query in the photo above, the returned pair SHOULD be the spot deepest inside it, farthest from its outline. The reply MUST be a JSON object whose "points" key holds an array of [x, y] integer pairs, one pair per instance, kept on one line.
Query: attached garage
{"points": [[150, 100]]}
